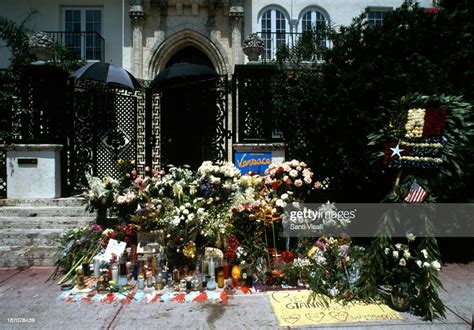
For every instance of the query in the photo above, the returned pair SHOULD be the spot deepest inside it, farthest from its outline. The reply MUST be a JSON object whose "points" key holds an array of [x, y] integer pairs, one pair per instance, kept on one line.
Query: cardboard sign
{"points": [[292, 308], [115, 247], [256, 162]]}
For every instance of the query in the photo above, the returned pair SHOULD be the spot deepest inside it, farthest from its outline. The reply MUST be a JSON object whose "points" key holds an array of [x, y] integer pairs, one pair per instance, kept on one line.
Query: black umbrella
{"points": [[107, 73], [112, 76], [183, 72]]}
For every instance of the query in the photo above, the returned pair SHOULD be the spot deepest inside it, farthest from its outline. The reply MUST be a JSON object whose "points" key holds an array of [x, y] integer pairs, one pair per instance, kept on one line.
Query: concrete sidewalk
{"points": [[24, 294]]}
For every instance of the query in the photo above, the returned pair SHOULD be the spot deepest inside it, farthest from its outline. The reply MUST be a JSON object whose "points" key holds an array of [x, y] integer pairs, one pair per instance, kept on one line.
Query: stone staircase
{"points": [[30, 228]]}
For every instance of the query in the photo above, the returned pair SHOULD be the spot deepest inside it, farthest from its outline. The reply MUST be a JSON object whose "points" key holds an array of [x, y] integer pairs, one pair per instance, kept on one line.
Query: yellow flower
{"points": [[189, 250], [312, 251]]}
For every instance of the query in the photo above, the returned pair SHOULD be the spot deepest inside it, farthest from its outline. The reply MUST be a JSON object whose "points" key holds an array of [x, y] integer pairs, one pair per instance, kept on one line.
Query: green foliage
{"points": [[17, 40], [11, 107], [341, 105], [77, 243], [445, 184], [343, 109], [66, 59]]}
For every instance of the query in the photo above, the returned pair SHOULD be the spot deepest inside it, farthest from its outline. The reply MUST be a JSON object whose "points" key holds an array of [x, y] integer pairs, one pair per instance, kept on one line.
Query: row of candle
{"points": [[153, 273]]}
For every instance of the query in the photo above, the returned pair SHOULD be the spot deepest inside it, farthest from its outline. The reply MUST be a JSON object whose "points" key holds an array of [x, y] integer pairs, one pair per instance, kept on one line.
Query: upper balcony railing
{"points": [[276, 40], [89, 46]]}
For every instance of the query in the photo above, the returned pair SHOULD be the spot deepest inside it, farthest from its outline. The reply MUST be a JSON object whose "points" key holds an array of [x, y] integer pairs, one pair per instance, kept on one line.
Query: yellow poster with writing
{"points": [[292, 308]]}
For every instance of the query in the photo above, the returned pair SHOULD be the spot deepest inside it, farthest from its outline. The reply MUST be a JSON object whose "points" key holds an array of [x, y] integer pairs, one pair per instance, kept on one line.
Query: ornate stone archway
{"points": [[164, 51]]}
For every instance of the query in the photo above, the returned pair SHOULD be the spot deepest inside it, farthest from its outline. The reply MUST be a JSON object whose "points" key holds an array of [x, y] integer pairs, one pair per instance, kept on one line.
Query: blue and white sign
{"points": [[256, 162]]}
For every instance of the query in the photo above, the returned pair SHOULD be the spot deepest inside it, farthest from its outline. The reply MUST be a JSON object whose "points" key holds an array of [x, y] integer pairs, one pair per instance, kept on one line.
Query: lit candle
{"points": [[220, 279], [115, 273]]}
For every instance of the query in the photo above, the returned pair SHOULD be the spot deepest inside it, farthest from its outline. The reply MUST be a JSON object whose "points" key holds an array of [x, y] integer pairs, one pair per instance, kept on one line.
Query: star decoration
{"points": [[396, 150]]}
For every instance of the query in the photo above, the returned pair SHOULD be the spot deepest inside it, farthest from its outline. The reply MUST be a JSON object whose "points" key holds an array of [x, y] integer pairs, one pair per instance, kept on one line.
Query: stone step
{"points": [[44, 211], [70, 201], [30, 237], [7, 223], [27, 256]]}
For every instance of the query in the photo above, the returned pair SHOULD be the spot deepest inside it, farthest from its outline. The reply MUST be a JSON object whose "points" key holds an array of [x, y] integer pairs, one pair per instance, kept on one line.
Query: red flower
{"points": [[280, 171], [432, 11], [290, 256], [288, 182], [435, 122], [275, 185], [129, 230]]}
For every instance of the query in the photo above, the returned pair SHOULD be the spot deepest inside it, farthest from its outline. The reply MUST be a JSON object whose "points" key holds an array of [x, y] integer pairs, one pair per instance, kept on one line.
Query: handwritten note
{"points": [[292, 308], [114, 247]]}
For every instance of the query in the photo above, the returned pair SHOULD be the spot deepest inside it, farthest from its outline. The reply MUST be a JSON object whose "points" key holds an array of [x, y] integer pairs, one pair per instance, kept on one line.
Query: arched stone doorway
{"points": [[191, 115], [163, 50]]}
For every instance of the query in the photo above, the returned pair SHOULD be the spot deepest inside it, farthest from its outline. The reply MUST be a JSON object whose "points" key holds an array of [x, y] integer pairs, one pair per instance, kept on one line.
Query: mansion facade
{"points": [[143, 36], [230, 117]]}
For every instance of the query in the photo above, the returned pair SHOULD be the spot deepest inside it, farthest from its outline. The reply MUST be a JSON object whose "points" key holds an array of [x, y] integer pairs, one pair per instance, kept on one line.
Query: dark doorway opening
{"points": [[190, 55], [188, 114]]}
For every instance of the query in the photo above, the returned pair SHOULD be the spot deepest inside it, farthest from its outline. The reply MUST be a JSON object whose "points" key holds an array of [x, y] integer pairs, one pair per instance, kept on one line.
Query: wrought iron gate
{"points": [[214, 102], [107, 125], [99, 125], [254, 122]]}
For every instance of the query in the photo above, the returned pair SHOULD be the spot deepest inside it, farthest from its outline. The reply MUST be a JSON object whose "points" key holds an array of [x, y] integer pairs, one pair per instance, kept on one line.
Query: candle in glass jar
{"points": [[80, 278], [182, 285], [176, 275], [212, 269], [96, 268], [149, 278], [115, 273], [220, 279], [141, 282], [205, 266]]}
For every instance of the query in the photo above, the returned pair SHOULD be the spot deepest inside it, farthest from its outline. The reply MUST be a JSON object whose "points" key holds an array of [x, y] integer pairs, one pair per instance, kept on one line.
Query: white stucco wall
{"points": [[50, 18], [117, 27]]}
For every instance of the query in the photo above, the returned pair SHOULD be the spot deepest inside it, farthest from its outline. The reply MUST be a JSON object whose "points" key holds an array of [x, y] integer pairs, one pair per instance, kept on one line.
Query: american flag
{"points": [[416, 194]]}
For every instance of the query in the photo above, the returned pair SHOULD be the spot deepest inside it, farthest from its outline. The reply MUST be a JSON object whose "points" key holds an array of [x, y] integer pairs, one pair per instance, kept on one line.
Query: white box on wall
{"points": [[33, 170]]}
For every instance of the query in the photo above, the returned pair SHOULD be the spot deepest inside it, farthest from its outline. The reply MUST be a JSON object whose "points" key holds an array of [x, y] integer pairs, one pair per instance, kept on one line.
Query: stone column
{"points": [[137, 18], [236, 15]]}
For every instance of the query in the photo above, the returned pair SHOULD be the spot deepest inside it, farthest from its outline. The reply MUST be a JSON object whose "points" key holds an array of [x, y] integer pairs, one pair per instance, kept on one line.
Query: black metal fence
{"points": [[98, 125], [253, 116], [39, 115], [274, 41]]}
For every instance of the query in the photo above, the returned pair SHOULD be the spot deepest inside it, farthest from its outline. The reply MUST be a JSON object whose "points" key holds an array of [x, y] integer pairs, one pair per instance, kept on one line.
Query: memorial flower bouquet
{"points": [[217, 181], [297, 269], [409, 274], [77, 246], [287, 182], [248, 222], [334, 267], [100, 192]]}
